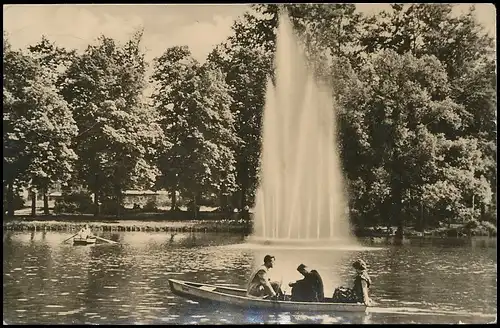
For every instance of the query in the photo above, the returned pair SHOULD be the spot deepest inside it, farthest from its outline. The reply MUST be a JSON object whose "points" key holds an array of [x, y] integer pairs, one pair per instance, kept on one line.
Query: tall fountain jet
{"points": [[301, 192]]}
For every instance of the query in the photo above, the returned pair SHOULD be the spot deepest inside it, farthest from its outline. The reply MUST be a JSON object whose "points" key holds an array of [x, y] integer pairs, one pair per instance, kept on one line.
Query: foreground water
{"points": [[47, 282]]}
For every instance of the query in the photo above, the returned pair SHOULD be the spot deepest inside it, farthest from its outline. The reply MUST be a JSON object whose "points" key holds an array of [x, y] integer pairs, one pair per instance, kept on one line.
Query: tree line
{"points": [[415, 88]]}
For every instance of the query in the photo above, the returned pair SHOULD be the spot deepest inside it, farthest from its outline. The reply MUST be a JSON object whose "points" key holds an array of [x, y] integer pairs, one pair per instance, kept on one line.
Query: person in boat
{"points": [[360, 291], [308, 289], [260, 284], [84, 233]]}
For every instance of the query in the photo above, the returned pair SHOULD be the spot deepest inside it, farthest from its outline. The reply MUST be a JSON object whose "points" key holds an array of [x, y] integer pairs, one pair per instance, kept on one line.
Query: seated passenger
{"points": [[260, 285], [308, 289], [359, 293]]}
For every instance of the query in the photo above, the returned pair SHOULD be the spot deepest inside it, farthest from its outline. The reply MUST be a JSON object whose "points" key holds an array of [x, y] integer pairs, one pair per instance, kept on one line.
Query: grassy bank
{"points": [[129, 214], [475, 241], [129, 222]]}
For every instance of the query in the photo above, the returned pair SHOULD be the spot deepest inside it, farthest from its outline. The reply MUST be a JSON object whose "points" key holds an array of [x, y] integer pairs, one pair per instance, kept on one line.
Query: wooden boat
{"points": [[237, 297], [84, 241]]}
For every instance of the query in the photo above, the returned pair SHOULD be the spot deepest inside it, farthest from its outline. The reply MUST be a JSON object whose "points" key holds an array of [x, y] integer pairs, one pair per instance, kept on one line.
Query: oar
{"points": [[69, 238], [104, 239], [280, 289]]}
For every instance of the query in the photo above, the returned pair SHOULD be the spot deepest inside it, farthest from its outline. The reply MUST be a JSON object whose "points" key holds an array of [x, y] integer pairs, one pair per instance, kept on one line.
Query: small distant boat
{"points": [[84, 241], [237, 297]]}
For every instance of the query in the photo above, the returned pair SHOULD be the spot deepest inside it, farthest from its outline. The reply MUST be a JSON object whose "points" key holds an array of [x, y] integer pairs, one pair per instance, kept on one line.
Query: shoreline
{"points": [[155, 224], [475, 241], [152, 223]]}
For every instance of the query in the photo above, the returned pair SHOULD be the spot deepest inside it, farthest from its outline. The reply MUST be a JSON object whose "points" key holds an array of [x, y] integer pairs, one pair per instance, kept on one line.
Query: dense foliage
{"points": [[38, 126], [194, 103], [415, 88]]}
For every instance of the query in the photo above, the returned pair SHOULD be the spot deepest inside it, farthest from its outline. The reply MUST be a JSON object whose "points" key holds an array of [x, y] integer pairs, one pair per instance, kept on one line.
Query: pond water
{"points": [[46, 281]]}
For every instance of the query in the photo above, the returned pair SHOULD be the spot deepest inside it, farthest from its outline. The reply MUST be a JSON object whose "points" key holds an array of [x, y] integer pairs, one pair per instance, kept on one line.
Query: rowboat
{"points": [[237, 297], [84, 241]]}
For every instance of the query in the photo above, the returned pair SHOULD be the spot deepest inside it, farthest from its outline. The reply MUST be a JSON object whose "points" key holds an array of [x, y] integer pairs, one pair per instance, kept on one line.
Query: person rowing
{"points": [[85, 232]]}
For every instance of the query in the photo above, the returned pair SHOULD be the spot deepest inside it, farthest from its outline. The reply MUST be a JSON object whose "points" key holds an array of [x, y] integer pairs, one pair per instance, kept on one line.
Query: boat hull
{"points": [[237, 297], [84, 241]]}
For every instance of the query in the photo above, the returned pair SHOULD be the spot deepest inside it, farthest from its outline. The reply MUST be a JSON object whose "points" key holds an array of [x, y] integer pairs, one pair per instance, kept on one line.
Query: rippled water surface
{"points": [[46, 281]]}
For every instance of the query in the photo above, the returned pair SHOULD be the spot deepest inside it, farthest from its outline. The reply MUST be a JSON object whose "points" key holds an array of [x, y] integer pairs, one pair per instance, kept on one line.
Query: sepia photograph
{"points": [[292, 163]]}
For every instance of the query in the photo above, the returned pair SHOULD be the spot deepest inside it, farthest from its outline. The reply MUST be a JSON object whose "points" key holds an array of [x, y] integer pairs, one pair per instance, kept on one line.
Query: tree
{"points": [[54, 61], [256, 29], [53, 58], [13, 160], [466, 52], [38, 127], [413, 125], [194, 103], [119, 133], [169, 71], [247, 71], [366, 182], [460, 43]]}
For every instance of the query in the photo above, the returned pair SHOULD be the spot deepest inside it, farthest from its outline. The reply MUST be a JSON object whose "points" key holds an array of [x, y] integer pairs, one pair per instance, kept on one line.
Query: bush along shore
{"points": [[154, 222]]}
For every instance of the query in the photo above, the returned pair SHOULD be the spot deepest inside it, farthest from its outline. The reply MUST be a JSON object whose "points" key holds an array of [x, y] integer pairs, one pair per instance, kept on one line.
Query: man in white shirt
{"points": [[260, 284]]}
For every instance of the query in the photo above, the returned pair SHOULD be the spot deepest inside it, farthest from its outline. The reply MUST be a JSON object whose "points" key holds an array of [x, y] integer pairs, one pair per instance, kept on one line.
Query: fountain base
{"points": [[289, 243]]}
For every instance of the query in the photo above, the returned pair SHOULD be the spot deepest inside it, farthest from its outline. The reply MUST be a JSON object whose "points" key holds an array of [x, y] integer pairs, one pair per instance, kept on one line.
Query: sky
{"points": [[199, 26]]}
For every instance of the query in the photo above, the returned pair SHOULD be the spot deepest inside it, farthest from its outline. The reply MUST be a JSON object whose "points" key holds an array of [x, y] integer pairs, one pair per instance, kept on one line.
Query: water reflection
{"points": [[50, 282]]}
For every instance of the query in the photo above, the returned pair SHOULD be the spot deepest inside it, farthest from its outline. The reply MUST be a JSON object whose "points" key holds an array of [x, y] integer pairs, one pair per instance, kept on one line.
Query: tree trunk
{"points": [[243, 183], [173, 196], [223, 202], [473, 207], [422, 217], [33, 203], [46, 201], [396, 197], [118, 204], [96, 196], [243, 199], [10, 199], [96, 204], [397, 169], [195, 205], [397, 212], [118, 200]]}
